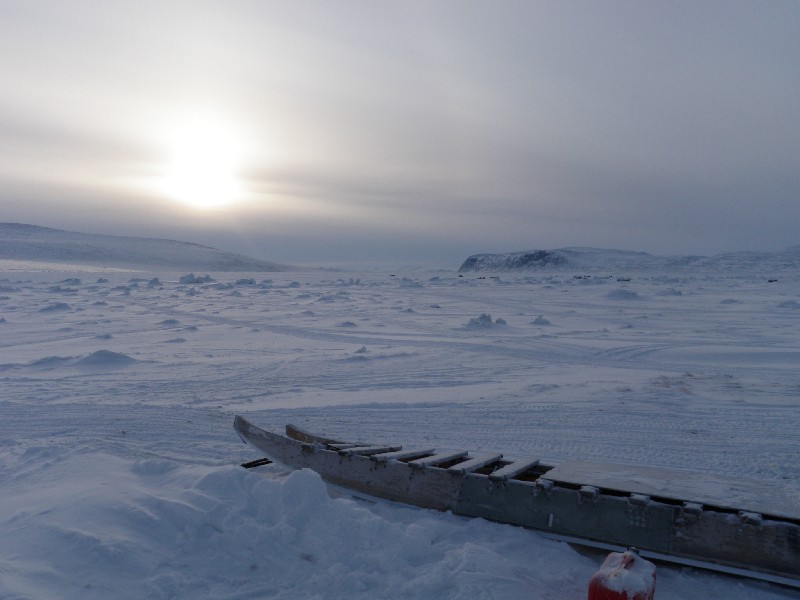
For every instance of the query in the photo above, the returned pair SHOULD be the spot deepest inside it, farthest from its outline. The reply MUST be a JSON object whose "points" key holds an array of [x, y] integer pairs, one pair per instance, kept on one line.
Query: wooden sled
{"points": [[733, 525]]}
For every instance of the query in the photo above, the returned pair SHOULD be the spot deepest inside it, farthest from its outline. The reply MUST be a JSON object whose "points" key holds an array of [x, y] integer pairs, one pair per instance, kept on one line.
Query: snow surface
{"points": [[118, 461]]}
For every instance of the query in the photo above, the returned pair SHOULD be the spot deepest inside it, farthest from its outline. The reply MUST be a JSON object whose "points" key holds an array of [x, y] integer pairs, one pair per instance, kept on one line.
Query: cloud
{"points": [[653, 127]]}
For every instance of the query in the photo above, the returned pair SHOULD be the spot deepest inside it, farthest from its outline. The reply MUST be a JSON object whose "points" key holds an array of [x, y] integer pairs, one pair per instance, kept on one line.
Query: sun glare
{"points": [[203, 157]]}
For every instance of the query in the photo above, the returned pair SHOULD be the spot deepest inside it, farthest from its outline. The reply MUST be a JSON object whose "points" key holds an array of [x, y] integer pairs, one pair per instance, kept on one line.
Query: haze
{"points": [[313, 132]]}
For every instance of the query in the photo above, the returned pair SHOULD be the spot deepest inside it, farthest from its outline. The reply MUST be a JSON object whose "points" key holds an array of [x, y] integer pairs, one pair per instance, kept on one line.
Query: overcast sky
{"points": [[413, 131]]}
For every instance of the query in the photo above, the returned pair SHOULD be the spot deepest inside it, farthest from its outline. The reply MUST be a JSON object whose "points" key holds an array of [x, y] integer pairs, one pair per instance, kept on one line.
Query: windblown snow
{"points": [[119, 465]]}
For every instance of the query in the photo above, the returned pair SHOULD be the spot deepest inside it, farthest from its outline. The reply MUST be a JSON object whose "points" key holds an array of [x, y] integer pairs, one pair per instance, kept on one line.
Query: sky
{"points": [[316, 132]]}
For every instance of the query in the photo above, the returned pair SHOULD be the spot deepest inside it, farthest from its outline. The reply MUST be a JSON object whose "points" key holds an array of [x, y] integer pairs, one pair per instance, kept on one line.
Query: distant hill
{"points": [[42, 244], [596, 259]]}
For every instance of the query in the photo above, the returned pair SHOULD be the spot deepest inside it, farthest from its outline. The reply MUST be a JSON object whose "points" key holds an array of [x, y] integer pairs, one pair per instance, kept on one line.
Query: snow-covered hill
{"points": [[42, 244], [615, 261]]}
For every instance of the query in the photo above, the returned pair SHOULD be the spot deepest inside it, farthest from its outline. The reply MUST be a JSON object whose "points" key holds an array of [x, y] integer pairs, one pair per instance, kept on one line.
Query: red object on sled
{"points": [[624, 576]]}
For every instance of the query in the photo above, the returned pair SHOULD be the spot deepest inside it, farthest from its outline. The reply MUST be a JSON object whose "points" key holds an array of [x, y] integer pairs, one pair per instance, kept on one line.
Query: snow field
{"points": [[118, 462]]}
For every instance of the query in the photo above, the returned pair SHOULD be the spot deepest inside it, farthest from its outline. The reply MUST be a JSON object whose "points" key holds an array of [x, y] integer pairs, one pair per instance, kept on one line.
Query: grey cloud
{"points": [[650, 125]]}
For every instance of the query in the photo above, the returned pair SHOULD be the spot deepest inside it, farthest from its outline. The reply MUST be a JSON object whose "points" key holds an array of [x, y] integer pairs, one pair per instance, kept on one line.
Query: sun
{"points": [[203, 157]]}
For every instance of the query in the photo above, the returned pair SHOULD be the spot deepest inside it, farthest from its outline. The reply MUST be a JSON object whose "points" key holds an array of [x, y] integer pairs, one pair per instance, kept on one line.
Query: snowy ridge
{"points": [[602, 260], [32, 243]]}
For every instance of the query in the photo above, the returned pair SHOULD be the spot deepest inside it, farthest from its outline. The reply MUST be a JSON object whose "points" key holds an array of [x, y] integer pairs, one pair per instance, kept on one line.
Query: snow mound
{"points": [[789, 304], [56, 307], [484, 321], [105, 359], [192, 279], [670, 292], [157, 529], [51, 362], [623, 295]]}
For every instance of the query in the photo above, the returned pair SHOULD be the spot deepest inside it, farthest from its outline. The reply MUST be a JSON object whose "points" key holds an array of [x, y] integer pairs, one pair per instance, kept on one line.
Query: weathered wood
{"points": [[592, 503], [562, 511], [704, 488], [301, 435], [392, 480], [368, 450], [437, 459], [403, 454], [475, 463], [514, 469], [766, 545]]}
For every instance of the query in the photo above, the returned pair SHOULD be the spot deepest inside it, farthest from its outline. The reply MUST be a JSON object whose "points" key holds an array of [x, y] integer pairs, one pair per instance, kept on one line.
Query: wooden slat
{"points": [[514, 469], [475, 463], [402, 454], [367, 450], [343, 446], [437, 459], [735, 493]]}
